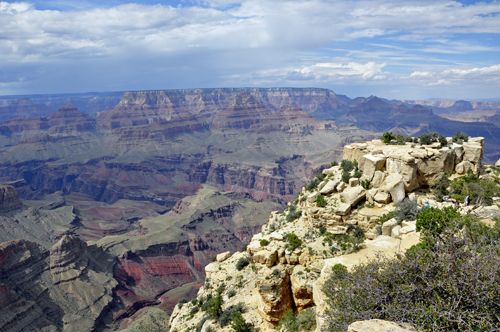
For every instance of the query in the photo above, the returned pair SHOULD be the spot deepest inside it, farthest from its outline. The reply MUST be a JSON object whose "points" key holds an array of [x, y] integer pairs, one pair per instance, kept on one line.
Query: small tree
{"points": [[387, 137], [320, 201], [239, 324]]}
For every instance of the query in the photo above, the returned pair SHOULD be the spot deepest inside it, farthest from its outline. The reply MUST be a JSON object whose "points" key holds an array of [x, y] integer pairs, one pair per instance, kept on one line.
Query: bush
{"points": [[387, 137], [293, 213], [442, 139], [242, 263], [440, 188], [346, 165], [400, 139], [221, 288], [345, 176], [366, 184], [406, 210], [244, 247], [359, 233], [231, 293], [480, 192], [227, 315], [276, 272], [425, 139], [322, 230], [199, 326], [238, 324], [460, 137], [214, 307], [320, 201], [386, 217], [294, 241], [409, 139], [304, 321], [312, 184], [452, 285], [194, 310], [264, 242], [334, 163]]}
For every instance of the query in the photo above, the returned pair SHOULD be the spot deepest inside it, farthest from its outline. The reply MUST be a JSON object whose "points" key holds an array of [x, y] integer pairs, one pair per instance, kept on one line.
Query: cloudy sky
{"points": [[390, 48]]}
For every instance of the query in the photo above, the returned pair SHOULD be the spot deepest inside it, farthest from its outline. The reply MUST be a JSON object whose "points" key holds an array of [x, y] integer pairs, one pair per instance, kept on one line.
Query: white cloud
{"points": [[13, 8]]}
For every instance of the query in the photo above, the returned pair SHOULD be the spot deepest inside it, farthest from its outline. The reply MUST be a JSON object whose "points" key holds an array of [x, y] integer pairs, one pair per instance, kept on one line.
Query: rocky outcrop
{"points": [[9, 200], [71, 118]]}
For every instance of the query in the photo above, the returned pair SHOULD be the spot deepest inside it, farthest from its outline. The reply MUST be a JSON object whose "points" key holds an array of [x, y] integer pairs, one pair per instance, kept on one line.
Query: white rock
{"points": [[343, 209], [378, 179], [394, 184], [312, 197], [372, 163], [276, 236], [341, 187], [353, 182], [353, 195], [223, 256], [328, 188], [382, 197], [407, 229], [395, 231], [388, 226]]}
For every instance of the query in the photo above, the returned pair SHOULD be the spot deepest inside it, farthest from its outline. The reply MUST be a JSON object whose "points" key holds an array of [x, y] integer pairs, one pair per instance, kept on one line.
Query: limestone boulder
{"points": [[458, 149], [223, 256], [371, 164], [312, 197], [343, 209], [341, 187], [463, 167], [473, 152], [407, 229], [404, 165], [388, 226], [355, 151], [275, 294], [353, 195], [382, 197], [394, 184], [353, 182], [378, 179], [328, 188], [395, 231], [266, 257]]}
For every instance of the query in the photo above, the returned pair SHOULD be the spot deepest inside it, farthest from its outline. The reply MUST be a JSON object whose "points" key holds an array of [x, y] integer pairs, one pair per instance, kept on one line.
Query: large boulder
{"points": [[432, 169], [371, 164], [343, 209], [378, 179], [354, 151], [388, 226], [383, 197], [404, 165], [302, 288], [463, 167], [328, 188], [353, 195], [394, 184], [473, 152]]}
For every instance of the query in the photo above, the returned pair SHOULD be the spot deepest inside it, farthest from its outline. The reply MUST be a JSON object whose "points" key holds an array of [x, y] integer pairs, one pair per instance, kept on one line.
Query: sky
{"points": [[396, 49]]}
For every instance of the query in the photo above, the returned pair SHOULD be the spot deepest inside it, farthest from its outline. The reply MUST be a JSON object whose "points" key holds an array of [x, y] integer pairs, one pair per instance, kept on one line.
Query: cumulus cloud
{"points": [[209, 43]]}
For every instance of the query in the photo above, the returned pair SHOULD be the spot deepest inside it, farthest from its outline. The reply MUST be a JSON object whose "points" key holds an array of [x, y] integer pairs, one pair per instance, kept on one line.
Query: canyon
{"points": [[156, 183]]}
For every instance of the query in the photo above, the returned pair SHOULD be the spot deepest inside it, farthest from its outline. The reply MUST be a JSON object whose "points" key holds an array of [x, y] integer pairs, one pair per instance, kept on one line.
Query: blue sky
{"points": [[398, 49]]}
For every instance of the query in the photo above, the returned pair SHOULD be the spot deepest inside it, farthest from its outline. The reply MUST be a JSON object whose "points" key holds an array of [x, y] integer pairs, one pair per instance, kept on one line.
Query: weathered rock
{"points": [[463, 167], [328, 188], [9, 200], [372, 163], [388, 226], [266, 257], [312, 197], [275, 296], [394, 184], [341, 187], [223, 256], [473, 152], [353, 195], [378, 325], [497, 164], [404, 165], [378, 179], [407, 229], [276, 236], [370, 194], [382, 197], [395, 231], [343, 209], [353, 182], [302, 288]]}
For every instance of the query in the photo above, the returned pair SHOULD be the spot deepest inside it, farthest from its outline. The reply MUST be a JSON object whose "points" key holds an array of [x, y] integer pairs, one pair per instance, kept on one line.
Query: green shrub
{"points": [[293, 213], [242, 263], [409, 139], [264, 242], [294, 241], [214, 307], [334, 163], [276, 272], [480, 192], [442, 139], [199, 326], [320, 201], [194, 310], [460, 137], [312, 184], [346, 176], [387, 137], [238, 324], [244, 247], [227, 315], [339, 271], [221, 288], [440, 188], [450, 285], [322, 230], [359, 233], [400, 139], [406, 210], [346, 165], [366, 184], [425, 139], [304, 321]]}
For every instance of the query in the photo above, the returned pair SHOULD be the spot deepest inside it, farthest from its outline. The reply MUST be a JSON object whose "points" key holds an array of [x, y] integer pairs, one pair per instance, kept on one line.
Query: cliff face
{"points": [[9, 200], [286, 273], [67, 288]]}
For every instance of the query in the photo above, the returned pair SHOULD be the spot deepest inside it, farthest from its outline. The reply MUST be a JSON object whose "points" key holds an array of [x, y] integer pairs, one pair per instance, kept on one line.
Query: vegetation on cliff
{"points": [[448, 282]]}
